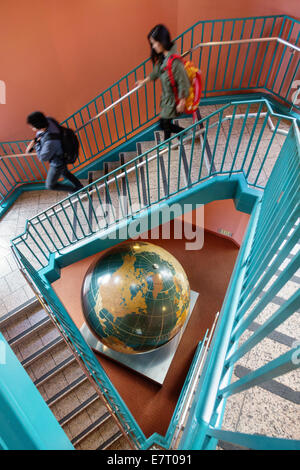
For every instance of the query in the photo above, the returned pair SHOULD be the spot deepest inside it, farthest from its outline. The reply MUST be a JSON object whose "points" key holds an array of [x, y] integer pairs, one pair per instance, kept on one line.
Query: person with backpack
{"points": [[58, 146], [162, 50]]}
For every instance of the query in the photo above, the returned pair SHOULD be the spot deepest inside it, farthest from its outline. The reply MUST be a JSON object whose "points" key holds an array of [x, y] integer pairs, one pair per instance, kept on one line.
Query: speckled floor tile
{"points": [[265, 413]]}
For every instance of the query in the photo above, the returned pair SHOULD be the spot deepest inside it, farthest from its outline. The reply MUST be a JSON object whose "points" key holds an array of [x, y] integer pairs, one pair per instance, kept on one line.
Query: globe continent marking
{"points": [[136, 297]]}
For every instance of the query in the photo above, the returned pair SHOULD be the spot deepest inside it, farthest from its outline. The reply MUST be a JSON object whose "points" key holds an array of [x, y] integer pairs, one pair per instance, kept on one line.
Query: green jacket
{"points": [[167, 101]]}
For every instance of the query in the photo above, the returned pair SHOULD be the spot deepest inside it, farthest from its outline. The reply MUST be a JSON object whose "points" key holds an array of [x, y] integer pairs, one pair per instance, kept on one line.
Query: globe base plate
{"points": [[153, 364]]}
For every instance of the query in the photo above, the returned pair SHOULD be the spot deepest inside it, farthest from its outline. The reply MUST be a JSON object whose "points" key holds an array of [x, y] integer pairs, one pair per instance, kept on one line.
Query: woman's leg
{"points": [[168, 127], [165, 126], [175, 128]]}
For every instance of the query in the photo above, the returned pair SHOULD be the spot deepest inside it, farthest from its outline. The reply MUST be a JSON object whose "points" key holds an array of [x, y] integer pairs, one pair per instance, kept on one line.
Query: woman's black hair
{"points": [[161, 34], [37, 120]]}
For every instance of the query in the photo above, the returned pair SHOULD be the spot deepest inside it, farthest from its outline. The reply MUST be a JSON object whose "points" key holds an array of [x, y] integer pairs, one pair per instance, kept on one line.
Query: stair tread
{"points": [[45, 321], [110, 441], [66, 389], [42, 351], [54, 370], [147, 145], [78, 409], [97, 174], [92, 427], [128, 156], [19, 311]]}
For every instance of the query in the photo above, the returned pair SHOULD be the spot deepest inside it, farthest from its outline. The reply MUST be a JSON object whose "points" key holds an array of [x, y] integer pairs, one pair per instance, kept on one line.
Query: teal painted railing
{"points": [[73, 337], [100, 205], [174, 426], [51, 234], [54, 231], [271, 238], [232, 62]]}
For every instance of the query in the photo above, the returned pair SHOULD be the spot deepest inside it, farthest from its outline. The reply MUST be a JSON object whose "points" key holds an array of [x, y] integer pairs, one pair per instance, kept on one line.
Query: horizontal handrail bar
{"points": [[253, 441], [241, 41], [86, 192], [194, 379], [203, 44], [113, 179]]}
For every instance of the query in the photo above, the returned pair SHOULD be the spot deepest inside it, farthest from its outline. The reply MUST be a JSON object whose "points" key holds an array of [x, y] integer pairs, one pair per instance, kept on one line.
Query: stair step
{"points": [[120, 443], [29, 331], [84, 181], [19, 311], [128, 156], [63, 421], [92, 427], [110, 441], [110, 166], [62, 393], [54, 371], [30, 359], [97, 174], [146, 145]]}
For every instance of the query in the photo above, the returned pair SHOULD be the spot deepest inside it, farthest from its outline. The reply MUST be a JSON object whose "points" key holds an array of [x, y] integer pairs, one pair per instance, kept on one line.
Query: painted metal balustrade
{"points": [[73, 337], [206, 151], [272, 220], [184, 165], [273, 234], [243, 55]]}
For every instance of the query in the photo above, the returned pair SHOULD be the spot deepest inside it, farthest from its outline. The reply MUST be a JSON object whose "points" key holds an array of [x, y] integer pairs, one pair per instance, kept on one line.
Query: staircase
{"points": [[36, 340], [60, 379], [224, 145]]}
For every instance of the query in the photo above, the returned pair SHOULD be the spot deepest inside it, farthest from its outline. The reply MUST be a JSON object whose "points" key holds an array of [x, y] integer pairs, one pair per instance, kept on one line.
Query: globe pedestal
{"points": [[153, 364]]}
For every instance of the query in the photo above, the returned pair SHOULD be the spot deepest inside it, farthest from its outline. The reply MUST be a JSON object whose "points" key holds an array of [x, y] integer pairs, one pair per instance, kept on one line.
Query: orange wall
{"points": [[222, 219], [56, 56], [191, 11]]}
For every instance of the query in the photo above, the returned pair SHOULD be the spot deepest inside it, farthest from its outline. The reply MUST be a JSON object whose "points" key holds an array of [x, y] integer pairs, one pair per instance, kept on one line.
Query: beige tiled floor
{"points": [[14, 289]]}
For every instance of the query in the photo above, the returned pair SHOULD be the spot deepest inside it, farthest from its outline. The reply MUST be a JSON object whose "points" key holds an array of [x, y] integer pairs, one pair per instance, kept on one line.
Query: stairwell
{"points": [[61, 381], [33, 337], [36, 340]]}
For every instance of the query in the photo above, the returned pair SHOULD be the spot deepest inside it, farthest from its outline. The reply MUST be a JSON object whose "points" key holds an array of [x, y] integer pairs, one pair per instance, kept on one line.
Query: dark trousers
{"points": [[168, 127], [53, 175]]}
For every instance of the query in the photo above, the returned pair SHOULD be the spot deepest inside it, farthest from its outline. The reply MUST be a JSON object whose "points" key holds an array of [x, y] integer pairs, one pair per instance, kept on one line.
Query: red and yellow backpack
{"points": [[194, 74]]}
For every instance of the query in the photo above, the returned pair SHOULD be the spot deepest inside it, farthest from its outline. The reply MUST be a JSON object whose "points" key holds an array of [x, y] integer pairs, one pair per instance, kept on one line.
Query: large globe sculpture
{"points": [[135, 297]]}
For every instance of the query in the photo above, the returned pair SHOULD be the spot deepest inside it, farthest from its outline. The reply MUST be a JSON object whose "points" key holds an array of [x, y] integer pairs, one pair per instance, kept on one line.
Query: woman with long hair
{"points": [[161, 49]]}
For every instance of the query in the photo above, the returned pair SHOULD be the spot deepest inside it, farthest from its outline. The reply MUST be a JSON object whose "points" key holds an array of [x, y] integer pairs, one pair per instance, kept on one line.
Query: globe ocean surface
{"points": [[135, 297]]}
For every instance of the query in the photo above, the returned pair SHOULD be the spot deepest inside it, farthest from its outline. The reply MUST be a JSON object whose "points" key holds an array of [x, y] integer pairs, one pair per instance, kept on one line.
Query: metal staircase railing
{"points": [[51, 233], [272, 236], [271, 221], [100, 205], [82, 351], [244, 55]]}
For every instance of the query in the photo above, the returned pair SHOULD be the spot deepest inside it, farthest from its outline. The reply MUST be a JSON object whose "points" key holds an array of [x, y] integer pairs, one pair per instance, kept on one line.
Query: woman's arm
{"points": [[142, 82], [181, 105], [154, 75]]}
